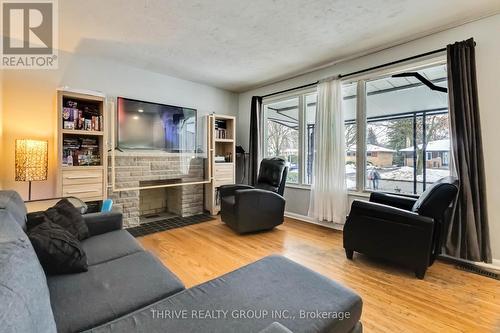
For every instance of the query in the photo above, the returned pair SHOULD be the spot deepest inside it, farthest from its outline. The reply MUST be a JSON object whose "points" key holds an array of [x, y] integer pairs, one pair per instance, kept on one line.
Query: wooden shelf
{"points": [[224, 140], [82, 132], [82, 167]]}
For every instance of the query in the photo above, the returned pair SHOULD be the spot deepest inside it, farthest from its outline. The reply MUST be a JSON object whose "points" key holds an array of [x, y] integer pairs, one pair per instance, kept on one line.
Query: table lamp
{"points": [[31, 161]]}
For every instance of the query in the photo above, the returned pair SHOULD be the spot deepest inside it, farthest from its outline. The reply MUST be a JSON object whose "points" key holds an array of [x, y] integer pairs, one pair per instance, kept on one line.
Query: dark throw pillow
{"points": [[57, 249], [68, 217]]}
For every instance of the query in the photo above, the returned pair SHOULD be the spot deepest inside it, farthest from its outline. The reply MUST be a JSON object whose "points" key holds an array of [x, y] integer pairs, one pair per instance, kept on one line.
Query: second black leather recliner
{"points": [[247, 209], [401, 229]]}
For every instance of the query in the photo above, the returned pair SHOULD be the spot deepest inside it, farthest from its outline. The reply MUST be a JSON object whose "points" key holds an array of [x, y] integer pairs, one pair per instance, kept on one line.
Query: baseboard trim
{"points": [[494, 266], [311, 220]]}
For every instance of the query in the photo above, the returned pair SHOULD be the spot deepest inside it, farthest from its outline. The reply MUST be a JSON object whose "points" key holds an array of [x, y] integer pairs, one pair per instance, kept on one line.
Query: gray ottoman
{"points": [[273, 289]]}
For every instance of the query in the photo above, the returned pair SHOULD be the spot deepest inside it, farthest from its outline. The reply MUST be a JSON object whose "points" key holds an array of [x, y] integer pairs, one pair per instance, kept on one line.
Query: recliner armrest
{"points": [[227, 190], [254, 195], [379, 212], [398, 201], [100, 223]]}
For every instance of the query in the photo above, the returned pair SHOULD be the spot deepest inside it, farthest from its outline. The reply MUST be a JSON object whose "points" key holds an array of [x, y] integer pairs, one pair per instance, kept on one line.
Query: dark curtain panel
{"points": [[254, 144], [468, 233]]}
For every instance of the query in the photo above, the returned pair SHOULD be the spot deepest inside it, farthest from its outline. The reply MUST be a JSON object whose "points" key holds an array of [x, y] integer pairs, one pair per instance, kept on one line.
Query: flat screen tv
{"points": [[146, 125]]}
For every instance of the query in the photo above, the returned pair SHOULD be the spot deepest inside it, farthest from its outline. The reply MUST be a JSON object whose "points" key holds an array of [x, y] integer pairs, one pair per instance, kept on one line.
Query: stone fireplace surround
{"points": [[135, 169]]}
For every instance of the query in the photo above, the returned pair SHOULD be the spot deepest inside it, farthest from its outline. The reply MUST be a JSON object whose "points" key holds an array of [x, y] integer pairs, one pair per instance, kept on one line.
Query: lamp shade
{"points": [[31, 160]]}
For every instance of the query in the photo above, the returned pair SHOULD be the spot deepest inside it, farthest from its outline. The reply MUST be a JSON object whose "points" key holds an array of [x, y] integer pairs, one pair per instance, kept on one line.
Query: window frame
{"points": [[361, 119], [302, 149]]}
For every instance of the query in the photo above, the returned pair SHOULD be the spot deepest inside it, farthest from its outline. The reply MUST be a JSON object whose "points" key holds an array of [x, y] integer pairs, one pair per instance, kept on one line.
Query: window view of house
{"points": [[407, 132], [289, 134]]}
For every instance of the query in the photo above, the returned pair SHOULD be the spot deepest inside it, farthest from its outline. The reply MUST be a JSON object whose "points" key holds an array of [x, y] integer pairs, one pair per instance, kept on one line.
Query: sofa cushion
{"points": [[12, 202], [24, 296], [67, 216], [109, 290], [98, 248], [57, 249], [274, 283]]}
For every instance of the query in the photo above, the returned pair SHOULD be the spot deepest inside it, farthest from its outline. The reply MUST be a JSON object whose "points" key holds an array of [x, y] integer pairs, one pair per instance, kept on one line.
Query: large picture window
{"points": [[405, 132], [289, 133]]}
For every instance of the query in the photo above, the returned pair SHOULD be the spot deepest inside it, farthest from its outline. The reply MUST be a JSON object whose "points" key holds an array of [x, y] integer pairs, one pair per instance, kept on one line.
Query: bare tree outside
{"points": [[350, 136], [280, 138], [283, 141]]}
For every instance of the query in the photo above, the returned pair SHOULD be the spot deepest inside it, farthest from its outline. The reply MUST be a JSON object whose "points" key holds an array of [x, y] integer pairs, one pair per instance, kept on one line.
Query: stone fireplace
{"points": [[143, 169]]}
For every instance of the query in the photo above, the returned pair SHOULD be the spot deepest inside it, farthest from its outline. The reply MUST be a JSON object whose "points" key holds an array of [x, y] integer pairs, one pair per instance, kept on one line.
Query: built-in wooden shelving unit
{"points": [[221, 143], [81, 145]]}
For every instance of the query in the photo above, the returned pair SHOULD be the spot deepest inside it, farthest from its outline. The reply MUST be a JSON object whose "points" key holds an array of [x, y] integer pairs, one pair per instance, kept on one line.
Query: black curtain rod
{"points": [[362, 71], [393, 62], [291, 89]]}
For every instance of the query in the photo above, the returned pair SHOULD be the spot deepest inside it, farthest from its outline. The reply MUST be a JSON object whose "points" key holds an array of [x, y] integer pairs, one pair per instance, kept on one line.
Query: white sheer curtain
{"points": [[329, 190]]}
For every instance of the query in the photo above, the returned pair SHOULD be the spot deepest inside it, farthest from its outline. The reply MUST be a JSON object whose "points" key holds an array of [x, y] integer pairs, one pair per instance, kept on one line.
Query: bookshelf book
{"points": [[81, 145]]}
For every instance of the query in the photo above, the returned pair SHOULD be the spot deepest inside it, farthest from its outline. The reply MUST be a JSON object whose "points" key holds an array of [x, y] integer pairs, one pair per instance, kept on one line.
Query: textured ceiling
{"points": [[238, 44]]}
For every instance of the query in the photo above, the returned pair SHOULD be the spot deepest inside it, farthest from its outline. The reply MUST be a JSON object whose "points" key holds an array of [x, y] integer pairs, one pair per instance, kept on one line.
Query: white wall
{"points": [[28, 102], [485, 33]]}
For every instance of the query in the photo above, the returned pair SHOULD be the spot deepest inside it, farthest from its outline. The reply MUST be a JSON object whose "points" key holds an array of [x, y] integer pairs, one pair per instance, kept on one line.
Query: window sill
{"points": [[359, 194], [349, 192], [299, 186]]}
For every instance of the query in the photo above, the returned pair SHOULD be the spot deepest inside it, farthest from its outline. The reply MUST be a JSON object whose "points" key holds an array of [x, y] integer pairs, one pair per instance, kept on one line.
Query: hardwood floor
{"points": [[448, 300]]}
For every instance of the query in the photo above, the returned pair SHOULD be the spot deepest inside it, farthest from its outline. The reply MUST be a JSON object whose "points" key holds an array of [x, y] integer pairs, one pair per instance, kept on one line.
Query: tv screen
{"points": [[146, 125]]}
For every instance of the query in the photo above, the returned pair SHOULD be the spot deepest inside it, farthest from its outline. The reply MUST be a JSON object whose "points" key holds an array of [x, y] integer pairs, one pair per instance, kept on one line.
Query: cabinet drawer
{"points": [[223, 171], [223, 181], [223, 174], [223, 167], [82, 191], [74, 177]]}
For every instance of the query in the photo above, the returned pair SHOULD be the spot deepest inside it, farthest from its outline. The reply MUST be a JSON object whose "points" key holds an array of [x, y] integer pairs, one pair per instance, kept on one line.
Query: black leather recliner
{"points": [[248, 209], [403, 229]]}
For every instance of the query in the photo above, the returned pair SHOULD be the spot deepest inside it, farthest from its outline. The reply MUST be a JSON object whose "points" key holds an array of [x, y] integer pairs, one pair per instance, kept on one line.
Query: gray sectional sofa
{"points": [[127, 289]]}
